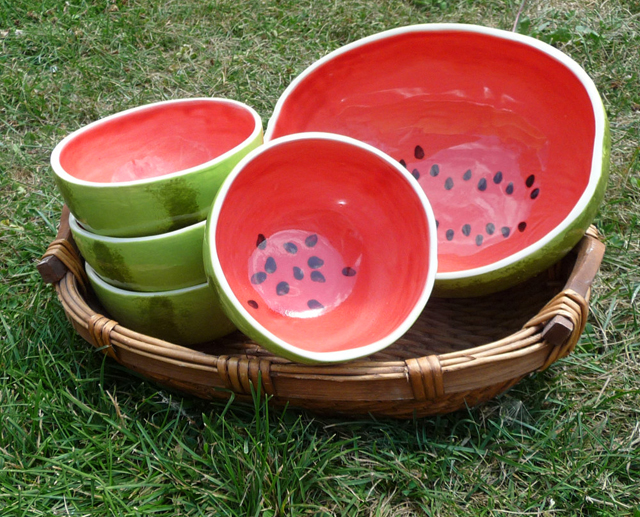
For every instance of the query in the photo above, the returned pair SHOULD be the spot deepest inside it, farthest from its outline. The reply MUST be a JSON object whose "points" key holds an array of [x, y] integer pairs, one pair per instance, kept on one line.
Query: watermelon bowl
{"points": [[162, 262], [321, 248], [154, 168], [507, 136], [186, 316]]}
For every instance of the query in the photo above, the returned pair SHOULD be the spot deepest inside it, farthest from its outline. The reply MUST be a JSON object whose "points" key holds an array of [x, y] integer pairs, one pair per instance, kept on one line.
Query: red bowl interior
{"points": [[155, 140], [499, 132], [332, 209]]}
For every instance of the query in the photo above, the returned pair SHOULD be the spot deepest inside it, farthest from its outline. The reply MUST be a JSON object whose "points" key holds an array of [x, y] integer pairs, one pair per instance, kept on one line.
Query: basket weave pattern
{"points": [[459, 353]]}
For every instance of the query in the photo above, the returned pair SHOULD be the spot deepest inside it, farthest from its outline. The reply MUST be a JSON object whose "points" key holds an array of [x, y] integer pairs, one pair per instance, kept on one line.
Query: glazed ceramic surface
{"points": [[506, 135], [321, 248], [155, 168], [183, 316], [161, 262]]}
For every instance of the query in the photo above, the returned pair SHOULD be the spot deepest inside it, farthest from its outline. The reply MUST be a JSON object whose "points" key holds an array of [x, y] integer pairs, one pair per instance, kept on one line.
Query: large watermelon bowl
{"points": [[507, 136]]}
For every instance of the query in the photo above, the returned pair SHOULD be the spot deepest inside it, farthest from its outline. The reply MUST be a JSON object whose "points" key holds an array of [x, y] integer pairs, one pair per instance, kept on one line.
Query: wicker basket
{"points": [[459, 353]]}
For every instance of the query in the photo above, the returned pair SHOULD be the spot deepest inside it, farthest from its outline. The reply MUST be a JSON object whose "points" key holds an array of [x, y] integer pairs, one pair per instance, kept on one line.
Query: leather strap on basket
{"points": [[239, 374], [66, 253], [100, 328], [425, 376], [572, 306]]}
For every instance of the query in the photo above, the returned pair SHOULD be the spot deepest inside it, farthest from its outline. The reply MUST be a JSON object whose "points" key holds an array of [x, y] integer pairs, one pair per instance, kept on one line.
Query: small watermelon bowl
{"points": [[154, 168], [161, 262], [185, 316], [507, 136], [321, 248]]}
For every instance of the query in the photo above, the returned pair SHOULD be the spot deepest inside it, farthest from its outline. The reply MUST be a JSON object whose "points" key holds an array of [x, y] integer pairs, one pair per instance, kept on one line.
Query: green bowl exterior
{"points": [[168, 262], [183, 318], [543, 258], [150, 207]]}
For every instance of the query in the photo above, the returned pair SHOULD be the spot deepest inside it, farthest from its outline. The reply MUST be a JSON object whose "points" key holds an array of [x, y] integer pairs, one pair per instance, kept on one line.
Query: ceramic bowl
{"points": [[161, 262], [183, 316], [154, 168], [321, 248], [506, 135]]}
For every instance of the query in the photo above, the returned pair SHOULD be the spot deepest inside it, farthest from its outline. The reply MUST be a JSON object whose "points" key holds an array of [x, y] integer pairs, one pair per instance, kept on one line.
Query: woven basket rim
{"points": [[398, 386]]}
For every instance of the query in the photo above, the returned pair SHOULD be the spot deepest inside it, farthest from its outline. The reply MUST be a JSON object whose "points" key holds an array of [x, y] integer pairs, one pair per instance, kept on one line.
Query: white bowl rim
{"points": [[95, 277], [343, 355], [64, 175], [75, 226], [599, 115]]}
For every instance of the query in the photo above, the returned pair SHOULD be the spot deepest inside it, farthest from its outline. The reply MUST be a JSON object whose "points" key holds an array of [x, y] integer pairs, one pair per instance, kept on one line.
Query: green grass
{"points": [[80, 435]]}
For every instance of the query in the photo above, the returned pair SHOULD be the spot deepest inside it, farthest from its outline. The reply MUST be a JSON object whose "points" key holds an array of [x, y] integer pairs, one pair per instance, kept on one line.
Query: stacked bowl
{"points": [[139, 185]]}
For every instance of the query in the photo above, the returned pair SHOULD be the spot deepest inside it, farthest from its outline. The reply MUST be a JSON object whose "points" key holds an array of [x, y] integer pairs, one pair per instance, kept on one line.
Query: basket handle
{"points": [[590, 253], [51, 266]]}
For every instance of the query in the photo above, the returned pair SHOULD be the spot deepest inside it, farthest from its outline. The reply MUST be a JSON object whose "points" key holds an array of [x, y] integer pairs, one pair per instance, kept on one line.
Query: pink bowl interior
{"points": [[499, 134], [156, 140], [326, 244]]}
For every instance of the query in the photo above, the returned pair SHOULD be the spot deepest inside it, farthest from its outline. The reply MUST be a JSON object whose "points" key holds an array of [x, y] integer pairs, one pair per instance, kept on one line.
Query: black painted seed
{"points": [[314, 304], [449, 234], [315, 262], [509, 189], [482, 184], [298, 274], [416, 173], [403, 163], [348, 271], [534, 193], [466, 230], [311, 241], [467, 175], [282, 288], [497, 178], [530, 180], [258, 277], [316, 276], [435, 170], [419, 152], [262, 241], [270, 265], [290, 247], [448, 185], [252, 303], [490, 228], [479, 240], [505, 231], [437, 223], [522, 226]]}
